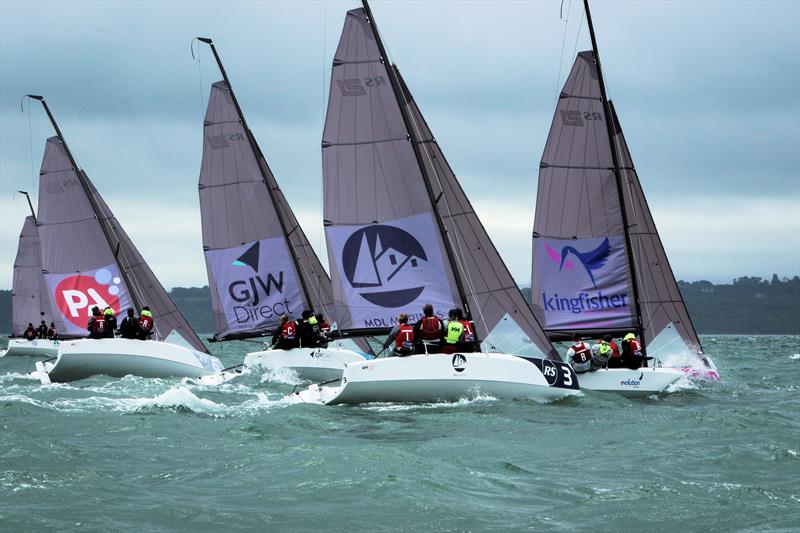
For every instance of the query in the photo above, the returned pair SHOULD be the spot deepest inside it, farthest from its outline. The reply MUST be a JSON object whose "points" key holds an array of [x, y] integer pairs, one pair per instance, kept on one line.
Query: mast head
{"points": [[205, 40]]}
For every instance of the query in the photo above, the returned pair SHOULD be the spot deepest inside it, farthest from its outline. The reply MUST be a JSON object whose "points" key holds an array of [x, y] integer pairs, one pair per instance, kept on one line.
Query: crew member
{"points": [[96, 325], [428, 332], [324, 330], [52, 334], [468, 342], [601, 353], [129, 327], [42, 330], [632, 354], [579, 355], [308, 330], [146, 323], [402, 334], [111, 322], [615, 359], [30, 332], [285, 335], [454, 332]]}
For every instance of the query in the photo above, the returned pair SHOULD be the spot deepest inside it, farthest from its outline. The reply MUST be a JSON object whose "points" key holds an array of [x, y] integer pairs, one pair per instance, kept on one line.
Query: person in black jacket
{"points": [[129, 327], [42, 331]]}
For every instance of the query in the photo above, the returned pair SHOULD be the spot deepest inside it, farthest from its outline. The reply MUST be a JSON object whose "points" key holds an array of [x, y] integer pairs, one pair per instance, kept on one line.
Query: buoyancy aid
{"points": [[404, 337], [454, 331], [430, 328], [582, 353], [288, 330]]}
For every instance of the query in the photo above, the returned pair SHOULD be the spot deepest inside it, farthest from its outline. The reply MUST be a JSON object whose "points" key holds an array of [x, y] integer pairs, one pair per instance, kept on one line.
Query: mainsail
{"points": [[260, 263], [87, 258], [399, 228], [29, 300], [598, 263]]}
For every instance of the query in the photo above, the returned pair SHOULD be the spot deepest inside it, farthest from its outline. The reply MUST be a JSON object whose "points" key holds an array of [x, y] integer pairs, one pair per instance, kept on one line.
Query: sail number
{"points": [[578, 118], [355, 86]]}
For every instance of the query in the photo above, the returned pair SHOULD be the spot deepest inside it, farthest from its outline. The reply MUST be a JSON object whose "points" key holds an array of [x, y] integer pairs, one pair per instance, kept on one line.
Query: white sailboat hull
{"points": [[80, 359], [640, 382], [447, 378], [35, 348], [312, 364]]}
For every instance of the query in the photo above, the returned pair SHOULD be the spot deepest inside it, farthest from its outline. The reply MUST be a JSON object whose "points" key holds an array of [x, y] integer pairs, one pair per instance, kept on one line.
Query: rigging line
{"points": [[563, 46], [577, 35], [321, 228], [199, 73]]}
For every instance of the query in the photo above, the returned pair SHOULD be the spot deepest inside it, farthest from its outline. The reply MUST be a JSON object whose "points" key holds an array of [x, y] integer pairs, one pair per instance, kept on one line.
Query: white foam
{"points": [[683, 383], [283, 375], [795, 356], [463, 402]]}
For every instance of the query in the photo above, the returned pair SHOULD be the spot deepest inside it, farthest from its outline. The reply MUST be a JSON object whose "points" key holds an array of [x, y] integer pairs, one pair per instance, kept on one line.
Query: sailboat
{"points": [[29, 298], [260, 264], [599, 266], [401, 233], [88, 260]]}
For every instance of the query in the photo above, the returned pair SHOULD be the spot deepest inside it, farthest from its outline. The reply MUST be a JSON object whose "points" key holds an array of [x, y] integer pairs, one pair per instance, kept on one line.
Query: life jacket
{"points": [[454, 331], [98, 326], [634, 346], [405, 337], [469, 332], [146, 321], [288, 330], [30, 334], [430, 328], [51, 333], [614, 350], [582, 353], [324, 327]]}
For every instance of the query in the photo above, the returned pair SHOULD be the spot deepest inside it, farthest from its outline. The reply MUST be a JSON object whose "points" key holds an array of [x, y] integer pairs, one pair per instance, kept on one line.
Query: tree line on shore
{"points": [[748, 305]]}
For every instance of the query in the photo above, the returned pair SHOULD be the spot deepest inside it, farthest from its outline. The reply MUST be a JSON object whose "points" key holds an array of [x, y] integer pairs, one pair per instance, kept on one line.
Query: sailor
{"points": [[146, 324], [308, 330], [111, 322], [428, 331], [601, 353], [96, 325], [324, 330], [468, 342], [402, 334], [52, 334], [579, 355], [454, 332], [285, 335], [632, 355], [30, 332], [129, 327], [615, 359], [42, 330]]}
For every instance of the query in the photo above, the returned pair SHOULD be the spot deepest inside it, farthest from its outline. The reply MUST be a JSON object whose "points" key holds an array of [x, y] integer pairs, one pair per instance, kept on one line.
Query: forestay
{"points": [[399, 228], [88, 259]]}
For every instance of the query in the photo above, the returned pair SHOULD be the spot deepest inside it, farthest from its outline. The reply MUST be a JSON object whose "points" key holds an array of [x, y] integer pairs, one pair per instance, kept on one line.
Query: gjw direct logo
{"points": [[76, 295], [382, 257], [250, 291]]}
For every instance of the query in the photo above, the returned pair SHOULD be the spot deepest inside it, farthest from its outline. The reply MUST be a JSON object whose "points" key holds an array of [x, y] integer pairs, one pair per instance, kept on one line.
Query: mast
{"points": [[262, 163], [92, 200], [615, 161], [415, 142]]}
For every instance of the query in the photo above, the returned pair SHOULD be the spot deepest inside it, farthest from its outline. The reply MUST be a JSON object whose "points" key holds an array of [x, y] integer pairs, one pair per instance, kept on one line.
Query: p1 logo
{"points": [[75, 294]]}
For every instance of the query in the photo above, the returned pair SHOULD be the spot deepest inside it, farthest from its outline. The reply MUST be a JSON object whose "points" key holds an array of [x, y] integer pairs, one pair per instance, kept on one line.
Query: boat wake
{"points": [[463, 402]]}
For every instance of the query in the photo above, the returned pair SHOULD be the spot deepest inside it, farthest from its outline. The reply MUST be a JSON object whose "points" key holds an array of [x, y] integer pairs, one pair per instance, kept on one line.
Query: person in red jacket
{"points": [[579, 355], [96, 325], [469, 341], [632, 353], [428, 332], [146, 323], [324, 331], [402, 334], [285, 335]]}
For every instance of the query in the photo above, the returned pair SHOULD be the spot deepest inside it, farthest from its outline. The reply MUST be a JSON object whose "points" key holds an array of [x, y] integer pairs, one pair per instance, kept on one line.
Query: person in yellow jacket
{"points": [[452, 333]]}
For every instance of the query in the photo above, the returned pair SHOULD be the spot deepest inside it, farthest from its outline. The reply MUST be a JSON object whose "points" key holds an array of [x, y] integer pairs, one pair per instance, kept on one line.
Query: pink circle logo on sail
{"points": [[76, 295]]}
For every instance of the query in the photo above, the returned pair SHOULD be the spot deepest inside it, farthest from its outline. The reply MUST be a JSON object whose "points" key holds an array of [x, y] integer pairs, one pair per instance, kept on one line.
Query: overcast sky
{"points": [[708, 94]]}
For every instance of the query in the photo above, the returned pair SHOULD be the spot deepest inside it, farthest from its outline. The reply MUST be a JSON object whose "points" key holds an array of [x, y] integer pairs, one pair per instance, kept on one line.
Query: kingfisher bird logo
{"points": [[383, 257], [590, 260], [249, 258]]}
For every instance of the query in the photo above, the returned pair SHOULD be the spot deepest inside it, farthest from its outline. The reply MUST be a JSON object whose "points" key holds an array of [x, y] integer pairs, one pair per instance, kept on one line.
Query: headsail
{"points": [[87, 258], [29, 300], [400, 231]]}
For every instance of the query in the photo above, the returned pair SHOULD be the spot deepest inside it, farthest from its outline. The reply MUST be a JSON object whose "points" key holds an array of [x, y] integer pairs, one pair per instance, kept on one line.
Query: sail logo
{"points": [[75, 294], [249, 258], [222, 141], [355, 86], [577, 118], [459, 362], [384, 257], [591, 260]]}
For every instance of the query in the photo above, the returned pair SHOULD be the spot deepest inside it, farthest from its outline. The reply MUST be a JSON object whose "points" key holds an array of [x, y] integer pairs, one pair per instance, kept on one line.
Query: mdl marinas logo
{"points": [[75, 294], [384, 257]]}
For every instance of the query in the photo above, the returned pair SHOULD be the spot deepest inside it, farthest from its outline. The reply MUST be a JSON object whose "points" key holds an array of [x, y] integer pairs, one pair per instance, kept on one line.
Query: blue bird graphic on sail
{"points": [[591, 260]]}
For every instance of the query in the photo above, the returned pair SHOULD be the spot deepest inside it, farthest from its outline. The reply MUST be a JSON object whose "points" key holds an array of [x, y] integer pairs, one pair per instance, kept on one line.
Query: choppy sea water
{"points": [[136, 454]]}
